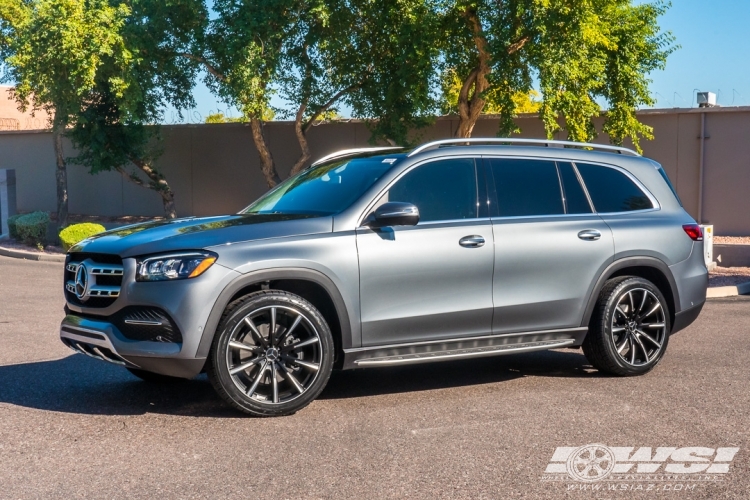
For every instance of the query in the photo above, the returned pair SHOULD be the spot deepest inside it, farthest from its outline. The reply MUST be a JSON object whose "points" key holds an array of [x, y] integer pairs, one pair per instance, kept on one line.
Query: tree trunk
{"points": [[301, 128], [267, 165], [61, 175], [302, 140], [470, 99], [157, 182]]}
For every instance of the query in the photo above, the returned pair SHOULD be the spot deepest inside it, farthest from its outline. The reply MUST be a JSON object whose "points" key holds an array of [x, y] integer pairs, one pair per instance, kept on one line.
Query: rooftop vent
{"points": [[706, 99]]}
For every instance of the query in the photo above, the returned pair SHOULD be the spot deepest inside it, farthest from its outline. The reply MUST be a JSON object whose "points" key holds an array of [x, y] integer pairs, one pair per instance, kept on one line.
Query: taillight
{"points": [[694, 231]]}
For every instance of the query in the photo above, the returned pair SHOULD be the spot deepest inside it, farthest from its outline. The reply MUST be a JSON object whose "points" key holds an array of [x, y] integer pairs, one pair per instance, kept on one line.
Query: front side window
{"points": [[611, 190], [326, 189], [441, 190], [526, 187]]}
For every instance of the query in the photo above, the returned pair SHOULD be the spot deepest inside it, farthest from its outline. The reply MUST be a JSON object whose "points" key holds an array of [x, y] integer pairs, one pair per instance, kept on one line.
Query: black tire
{"points": [[154, 378], [285, 372], [642, 338]]}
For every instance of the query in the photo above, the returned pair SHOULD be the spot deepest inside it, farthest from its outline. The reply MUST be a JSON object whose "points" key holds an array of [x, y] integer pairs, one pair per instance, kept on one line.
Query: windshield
{"points": [[326, 189]]}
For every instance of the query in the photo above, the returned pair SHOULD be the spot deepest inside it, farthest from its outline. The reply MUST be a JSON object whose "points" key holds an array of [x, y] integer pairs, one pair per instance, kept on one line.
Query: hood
{"points": [[194, 233]]}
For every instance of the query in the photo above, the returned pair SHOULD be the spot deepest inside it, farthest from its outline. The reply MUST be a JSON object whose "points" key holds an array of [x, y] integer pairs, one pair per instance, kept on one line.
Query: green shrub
{"points": [[32, 228], [12, 226], [78, 232]]}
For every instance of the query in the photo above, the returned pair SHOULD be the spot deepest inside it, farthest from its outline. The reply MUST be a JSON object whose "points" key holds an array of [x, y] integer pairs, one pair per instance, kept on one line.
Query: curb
{"points": [[728, 291], [21, 254]]}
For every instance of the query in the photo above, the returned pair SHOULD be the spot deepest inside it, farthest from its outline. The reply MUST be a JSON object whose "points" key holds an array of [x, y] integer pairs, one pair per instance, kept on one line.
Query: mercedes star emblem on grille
{"points": [[81, 283]]}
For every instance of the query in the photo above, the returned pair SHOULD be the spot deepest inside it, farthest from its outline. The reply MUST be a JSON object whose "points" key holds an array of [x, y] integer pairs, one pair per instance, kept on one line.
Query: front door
{"points": [[550, 247], [433, 280]]}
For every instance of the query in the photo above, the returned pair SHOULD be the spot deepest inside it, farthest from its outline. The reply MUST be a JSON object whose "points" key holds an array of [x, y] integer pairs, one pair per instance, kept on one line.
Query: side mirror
{"points": [[394, 213]]}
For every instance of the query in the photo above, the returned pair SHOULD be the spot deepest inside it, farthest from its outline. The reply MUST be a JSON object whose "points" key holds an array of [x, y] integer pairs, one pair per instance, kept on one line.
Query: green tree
{"points": [[317, 55], [242, 52], [53, 50], [580, 51], [116, 126], [399, 40]]}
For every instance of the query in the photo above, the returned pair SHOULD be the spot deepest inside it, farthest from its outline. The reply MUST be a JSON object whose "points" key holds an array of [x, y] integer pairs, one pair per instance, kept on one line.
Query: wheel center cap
{"points": [[632, 326], [272, 354]]}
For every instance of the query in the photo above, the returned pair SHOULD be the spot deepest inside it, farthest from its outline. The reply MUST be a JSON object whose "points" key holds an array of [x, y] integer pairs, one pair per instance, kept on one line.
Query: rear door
{"points": [[550, 246], [433, 280]]}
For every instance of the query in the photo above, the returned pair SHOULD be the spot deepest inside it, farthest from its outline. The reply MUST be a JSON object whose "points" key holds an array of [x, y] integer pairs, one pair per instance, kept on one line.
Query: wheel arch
{"points": [[650, 268], [311, 285]]}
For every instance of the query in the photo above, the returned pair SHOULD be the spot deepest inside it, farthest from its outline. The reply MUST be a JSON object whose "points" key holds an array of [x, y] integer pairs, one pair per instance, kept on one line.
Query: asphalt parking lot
{"points": [[71, 426]]}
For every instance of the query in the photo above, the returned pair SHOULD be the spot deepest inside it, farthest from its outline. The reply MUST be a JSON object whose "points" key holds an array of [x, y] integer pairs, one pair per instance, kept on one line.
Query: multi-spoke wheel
{"points": [[272, 354], [629, 329]]}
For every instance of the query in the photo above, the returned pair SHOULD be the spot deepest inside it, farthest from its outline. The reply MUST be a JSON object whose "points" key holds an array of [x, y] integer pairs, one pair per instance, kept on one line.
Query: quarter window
{"points": [[611, 190], [526, 187], [441, 190]]}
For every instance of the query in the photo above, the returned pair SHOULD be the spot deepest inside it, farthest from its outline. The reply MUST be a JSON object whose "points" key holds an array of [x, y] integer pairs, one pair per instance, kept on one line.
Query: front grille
{"points": [[146, 323], [104, 274]]}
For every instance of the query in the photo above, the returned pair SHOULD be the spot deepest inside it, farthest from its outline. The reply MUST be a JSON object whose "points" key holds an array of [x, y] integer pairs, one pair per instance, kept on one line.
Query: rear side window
{"points": [[575, 199], [441, 190], [611, 190], [526, 187], [669, 183]]}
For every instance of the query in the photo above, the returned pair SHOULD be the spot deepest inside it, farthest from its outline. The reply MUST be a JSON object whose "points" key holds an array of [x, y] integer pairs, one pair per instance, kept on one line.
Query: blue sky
{"points": [[714, 56]]}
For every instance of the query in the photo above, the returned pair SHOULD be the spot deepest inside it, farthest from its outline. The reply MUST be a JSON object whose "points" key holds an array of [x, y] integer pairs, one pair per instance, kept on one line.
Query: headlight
{"points": [[175, 266]]}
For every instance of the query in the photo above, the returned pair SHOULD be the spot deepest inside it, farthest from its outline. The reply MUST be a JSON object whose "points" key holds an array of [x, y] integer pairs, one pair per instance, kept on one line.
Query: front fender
{"points": [[349, 330]]}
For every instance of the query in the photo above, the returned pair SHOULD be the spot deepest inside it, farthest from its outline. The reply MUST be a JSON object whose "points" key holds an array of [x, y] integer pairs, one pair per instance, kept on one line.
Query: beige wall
{"points": [[12, 119], [214, 169]]}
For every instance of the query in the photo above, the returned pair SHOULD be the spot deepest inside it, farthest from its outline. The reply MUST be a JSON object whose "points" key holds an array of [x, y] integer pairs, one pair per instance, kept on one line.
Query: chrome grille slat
{"points": [[106, 269], [104, 291], [93, 280]]}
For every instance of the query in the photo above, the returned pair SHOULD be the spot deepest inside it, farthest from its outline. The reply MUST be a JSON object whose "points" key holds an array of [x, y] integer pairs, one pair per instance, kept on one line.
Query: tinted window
{"points": [[669, 183], [611, 190], [323, 190], [526, 187], [441, 190], [575, 198]]}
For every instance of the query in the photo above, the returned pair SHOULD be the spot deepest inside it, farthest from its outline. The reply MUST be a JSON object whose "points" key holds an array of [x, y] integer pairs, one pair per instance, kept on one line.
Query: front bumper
{"points": [[102, 340], [94, 331]]}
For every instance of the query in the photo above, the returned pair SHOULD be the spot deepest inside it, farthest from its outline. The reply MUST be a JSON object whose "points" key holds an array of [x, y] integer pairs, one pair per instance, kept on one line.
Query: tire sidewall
{"points": [[606, 325], [220, 371]]}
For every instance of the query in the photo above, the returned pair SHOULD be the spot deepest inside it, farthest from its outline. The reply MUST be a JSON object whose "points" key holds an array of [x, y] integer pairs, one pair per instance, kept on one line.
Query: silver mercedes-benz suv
{"points": [[385, 256]]}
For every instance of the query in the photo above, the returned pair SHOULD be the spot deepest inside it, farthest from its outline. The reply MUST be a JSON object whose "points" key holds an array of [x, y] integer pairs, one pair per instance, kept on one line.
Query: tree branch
{"points": [[322, 109], [517, 45], [209, 67]]}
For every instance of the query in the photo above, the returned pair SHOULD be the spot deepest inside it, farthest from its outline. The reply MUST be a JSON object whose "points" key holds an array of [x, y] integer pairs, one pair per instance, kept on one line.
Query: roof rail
{"points": [[512, 140], [350, 152]]}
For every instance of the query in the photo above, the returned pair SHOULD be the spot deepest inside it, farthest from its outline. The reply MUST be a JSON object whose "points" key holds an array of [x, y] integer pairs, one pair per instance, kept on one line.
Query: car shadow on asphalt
{"points": [[77, 384]]}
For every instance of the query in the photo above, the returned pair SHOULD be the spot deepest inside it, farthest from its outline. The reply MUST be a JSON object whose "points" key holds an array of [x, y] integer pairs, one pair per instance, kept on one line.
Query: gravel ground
{"points": [[731, 240], [728, 276]]}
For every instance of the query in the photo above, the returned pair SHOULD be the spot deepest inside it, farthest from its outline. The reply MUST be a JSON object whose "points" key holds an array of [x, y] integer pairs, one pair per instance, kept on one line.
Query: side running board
{"points": [[471, 352]]}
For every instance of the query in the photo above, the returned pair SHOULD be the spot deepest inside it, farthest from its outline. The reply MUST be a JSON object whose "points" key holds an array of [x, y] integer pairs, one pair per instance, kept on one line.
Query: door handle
{"points": [[590, 234], [473, 241]]}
